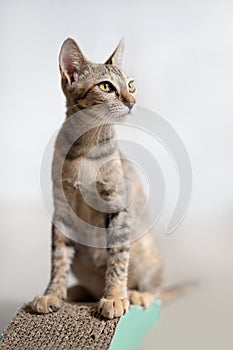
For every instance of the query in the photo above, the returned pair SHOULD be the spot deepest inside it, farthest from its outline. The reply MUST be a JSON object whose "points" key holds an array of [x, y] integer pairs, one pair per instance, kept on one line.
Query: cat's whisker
{"points": [[70, 107]]}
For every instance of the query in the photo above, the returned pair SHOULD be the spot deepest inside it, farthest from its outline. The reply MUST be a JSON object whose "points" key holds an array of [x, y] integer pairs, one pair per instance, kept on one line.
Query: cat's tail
{"points": [[172, 293]]}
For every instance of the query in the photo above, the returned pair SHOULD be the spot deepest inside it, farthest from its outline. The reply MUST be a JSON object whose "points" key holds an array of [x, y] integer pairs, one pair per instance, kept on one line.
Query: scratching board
{"points": [[78, 326]]}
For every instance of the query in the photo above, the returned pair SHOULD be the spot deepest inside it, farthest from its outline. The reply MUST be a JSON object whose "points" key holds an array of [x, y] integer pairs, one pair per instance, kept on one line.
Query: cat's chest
{"points": [[79, 172], [95, 181], [86, 173]]}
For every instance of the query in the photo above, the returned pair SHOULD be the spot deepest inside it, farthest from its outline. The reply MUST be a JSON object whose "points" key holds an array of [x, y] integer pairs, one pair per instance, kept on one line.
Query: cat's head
{"points": [[86, 84]]}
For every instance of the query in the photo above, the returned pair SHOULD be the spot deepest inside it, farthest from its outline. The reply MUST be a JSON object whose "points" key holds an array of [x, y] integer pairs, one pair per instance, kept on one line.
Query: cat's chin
{"points": [[123, 117]]}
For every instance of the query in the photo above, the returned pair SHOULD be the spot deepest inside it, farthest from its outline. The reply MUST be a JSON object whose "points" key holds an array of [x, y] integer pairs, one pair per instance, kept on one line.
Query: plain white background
{"points": [[181, 55]]}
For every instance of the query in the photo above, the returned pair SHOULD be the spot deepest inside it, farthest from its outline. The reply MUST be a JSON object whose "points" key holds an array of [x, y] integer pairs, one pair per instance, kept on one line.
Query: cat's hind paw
{"points": [[144, 299], [46, 303], [111, 308]]}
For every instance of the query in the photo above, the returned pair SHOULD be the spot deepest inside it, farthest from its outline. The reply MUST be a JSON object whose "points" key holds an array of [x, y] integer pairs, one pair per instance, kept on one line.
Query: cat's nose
{"points": [[127, 99], [129, 104]]}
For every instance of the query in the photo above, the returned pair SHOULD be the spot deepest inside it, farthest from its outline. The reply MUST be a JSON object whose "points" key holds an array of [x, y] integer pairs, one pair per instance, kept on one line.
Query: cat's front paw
{"points": [[111, 308], [46, 303]]}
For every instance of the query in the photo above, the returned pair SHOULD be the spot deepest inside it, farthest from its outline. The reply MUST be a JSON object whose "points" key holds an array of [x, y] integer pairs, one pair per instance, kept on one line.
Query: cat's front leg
{"points": [[115, 300], [56, 291]]}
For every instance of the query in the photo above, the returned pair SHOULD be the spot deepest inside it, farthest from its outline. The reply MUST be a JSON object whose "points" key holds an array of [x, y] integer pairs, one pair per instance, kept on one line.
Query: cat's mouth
{"points": [[130, 111], [126, 115]]}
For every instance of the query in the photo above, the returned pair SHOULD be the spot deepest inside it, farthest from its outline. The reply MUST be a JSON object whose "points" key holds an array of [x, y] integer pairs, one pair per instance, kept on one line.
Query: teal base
{"points": [[133, 327]]}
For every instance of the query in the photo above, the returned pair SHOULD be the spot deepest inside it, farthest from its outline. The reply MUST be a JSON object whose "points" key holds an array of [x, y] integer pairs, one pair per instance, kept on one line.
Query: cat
{"points": [[126, 271]]}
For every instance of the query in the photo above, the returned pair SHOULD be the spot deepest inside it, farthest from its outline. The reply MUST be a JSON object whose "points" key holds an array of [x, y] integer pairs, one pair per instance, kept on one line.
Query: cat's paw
{"points": [[46, 303], [144, 299], [111, 308]]}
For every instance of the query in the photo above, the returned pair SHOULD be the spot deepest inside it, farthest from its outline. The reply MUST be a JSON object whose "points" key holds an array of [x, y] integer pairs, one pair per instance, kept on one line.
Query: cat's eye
{"points": [[131, 87], [106, 86]]}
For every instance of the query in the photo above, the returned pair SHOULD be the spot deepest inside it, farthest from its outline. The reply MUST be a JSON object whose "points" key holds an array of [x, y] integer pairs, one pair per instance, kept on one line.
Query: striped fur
{"points": [[123, 272]]}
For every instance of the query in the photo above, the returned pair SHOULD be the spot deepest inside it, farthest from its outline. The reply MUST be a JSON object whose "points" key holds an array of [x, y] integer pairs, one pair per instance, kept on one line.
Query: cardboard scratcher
{"points": [[78, 326]]}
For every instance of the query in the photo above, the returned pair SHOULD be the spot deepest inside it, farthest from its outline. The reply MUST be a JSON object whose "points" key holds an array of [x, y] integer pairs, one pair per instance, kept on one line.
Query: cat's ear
{"points": [[117, 57], [71, 60]]}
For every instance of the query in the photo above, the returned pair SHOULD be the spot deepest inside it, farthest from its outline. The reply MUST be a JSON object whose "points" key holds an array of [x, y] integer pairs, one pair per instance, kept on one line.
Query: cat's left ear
{"points": [[117, 57], [71, 60]]}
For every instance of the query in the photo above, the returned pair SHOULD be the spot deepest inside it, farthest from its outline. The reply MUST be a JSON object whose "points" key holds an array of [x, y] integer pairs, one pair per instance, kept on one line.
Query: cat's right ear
{"points": [[71, 60]]}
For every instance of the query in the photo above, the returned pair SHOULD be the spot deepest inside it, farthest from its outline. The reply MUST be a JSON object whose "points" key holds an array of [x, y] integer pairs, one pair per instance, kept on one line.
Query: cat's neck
{"points": [[97, 137], [95, 143]]}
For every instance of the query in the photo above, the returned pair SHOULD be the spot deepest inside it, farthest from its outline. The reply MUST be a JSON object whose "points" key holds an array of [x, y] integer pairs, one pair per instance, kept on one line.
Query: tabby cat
{"points": [[125, 271]]}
